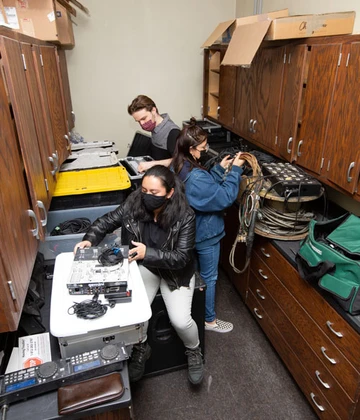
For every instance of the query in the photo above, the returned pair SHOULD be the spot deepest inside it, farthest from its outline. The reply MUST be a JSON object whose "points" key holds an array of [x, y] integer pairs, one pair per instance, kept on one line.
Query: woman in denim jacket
{"points": [[208, 193]]}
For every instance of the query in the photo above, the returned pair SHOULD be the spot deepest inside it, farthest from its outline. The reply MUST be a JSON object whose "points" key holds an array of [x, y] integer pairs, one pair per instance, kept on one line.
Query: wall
{"points": [[128, 48]]}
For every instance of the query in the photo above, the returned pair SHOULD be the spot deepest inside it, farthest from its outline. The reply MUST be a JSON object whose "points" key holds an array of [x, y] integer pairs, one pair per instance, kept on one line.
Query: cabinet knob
{"points": [[349, 178], [258, 292], [217, 112], [289, 144]]}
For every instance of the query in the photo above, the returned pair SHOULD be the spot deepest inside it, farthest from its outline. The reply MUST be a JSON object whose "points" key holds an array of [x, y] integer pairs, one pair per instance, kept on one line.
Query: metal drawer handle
{"points": [[217, 112], [257, 313], [289, 144], [258, 292], [253, 126], [262, 275], [263, 251], [338, 334], [52, 161], [324, 384], [41, 206], [349, 178], [35, 232], [320, 407], [250, 125], [332, 361], [298, 148]]}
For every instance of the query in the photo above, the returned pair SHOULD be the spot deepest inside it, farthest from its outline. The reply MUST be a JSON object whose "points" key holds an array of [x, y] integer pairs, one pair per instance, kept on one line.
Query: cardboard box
{"points": [[311, 25], [42, 19], [246, 36]]}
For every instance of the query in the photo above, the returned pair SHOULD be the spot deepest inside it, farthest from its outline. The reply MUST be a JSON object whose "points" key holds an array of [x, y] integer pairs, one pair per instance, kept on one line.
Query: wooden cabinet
{"points": [[317, 96], [18, 223], [257, 101], [293, 81], [342, 152], [32, 109], [324, 357]]}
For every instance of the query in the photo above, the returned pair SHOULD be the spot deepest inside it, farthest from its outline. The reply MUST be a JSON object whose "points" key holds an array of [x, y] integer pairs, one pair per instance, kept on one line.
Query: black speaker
{"points": [[168, 351]]}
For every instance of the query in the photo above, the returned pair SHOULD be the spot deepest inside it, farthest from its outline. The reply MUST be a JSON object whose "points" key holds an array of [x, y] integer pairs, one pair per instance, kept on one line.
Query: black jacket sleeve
{"points": [[104, 225], [171, 140]]}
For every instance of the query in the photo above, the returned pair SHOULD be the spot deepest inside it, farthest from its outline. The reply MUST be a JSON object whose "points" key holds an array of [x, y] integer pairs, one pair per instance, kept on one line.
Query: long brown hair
{"points": [[190, 136]]}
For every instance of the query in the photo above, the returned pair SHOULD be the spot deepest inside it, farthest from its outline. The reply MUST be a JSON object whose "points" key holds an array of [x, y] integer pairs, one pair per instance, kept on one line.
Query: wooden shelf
{"points": [[215, 94], [217, 71]]}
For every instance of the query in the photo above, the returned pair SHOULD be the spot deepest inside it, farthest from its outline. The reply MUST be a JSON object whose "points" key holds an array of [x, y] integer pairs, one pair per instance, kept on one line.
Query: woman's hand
{"points": [[237, 160], [226, 161], [82, 244], [138, 252]]}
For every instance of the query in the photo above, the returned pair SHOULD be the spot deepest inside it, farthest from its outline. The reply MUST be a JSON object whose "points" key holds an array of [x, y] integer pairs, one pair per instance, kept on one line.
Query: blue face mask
{"points": [[153, 202]]}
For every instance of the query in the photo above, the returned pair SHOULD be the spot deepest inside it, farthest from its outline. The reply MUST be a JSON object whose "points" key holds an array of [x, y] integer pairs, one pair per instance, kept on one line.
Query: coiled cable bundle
{"points": [[90, 309], [79, 225], [111, 256], [248, 207]]}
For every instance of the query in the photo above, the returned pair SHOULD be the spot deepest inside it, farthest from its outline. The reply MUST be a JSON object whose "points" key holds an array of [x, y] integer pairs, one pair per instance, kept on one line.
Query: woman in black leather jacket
{"points": [[159, 227]]}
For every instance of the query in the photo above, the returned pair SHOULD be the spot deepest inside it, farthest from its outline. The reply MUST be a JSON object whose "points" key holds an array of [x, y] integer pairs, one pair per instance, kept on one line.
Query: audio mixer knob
{"points": [[109, 352], [48, 369]]}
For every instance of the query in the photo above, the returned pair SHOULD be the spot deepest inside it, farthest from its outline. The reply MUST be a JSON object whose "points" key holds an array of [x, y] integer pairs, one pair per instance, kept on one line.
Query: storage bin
{"points": [[54, 245]]}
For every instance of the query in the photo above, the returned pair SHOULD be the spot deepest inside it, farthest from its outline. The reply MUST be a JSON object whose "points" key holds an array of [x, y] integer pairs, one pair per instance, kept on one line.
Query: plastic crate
{"points": [[92, 181], [54, 245]]}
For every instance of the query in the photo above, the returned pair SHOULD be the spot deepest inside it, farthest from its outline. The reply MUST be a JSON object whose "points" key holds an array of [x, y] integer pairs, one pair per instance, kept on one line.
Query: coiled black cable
{"points": [[111, 256], [79, 225], [90, 309]]}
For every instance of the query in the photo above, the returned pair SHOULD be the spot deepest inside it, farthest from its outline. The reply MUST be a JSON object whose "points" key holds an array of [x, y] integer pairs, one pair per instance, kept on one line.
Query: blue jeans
{"points": [[208, 262]]}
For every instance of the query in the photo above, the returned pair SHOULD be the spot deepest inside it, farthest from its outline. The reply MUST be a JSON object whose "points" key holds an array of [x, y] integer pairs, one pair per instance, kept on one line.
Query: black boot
{"points": [[195, 365], [140, 354]]}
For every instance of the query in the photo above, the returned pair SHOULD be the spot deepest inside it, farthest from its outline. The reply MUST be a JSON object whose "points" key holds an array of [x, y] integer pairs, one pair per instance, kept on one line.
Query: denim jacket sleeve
{"points": [[207, 192]]}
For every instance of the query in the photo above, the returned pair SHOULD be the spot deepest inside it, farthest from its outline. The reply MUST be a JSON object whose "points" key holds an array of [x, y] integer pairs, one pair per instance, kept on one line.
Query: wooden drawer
{"points": [[332, 324], [323, 347], [317, 400], [331, 389]]}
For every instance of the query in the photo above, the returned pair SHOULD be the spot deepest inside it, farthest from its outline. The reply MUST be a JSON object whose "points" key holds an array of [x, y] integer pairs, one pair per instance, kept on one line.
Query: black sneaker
{"points": [[195, 365], [140, 354]]}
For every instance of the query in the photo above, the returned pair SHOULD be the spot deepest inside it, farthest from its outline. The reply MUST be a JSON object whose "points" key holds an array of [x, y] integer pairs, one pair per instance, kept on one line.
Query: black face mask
{"points": [[153, 202]]}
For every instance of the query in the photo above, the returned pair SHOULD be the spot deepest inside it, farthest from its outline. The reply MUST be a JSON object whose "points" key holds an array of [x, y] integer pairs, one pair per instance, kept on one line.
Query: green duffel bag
{"points": [[330, 256]]}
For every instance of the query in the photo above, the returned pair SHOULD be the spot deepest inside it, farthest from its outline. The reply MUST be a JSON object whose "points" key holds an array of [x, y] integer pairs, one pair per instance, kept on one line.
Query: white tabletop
{"points": [[122, 315]]}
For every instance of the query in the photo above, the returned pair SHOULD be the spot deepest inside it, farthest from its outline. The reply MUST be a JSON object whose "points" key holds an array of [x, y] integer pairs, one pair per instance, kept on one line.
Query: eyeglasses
{"points": [[206, 149]]}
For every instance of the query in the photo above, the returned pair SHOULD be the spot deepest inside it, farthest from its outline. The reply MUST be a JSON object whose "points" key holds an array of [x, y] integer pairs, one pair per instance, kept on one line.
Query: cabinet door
{"points": [[342, 152], [14, 68], [56, 101], [268, 72], [70, 115], [318, 90], [243, 102], [292, 87], [45, 139], [227, 95], [18, 246]]}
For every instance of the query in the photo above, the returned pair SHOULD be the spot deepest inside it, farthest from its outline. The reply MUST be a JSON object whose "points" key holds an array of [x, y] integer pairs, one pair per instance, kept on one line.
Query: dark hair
{"points": [[174, 208], [141, 102], [190, 136]]}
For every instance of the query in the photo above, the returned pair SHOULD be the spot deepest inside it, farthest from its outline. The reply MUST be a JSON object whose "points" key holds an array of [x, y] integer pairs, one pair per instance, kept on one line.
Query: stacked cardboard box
{"points": [[245, 35], [43, 19]]}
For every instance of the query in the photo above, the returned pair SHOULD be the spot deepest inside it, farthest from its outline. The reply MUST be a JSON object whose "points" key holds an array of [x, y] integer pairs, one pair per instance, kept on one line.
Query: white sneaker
{"points": [[220, 326]]}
